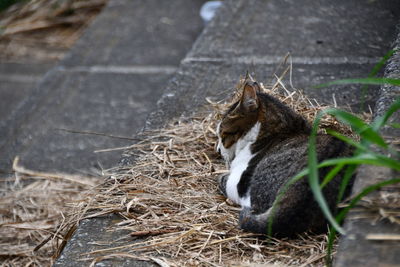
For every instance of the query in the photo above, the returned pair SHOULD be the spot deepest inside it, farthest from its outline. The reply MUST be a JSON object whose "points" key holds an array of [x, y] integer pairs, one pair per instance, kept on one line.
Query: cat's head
{"points": [[233, 129], [257, 116]]}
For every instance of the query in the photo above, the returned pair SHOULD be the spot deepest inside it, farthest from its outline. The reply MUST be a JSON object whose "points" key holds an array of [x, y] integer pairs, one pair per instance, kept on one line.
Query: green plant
{"points": [[373, 74], [370, 136], [364, 154]]}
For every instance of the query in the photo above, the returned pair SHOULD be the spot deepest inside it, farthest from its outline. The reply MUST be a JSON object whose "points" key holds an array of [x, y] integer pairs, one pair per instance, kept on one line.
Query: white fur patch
{"points": [[242, 156]]}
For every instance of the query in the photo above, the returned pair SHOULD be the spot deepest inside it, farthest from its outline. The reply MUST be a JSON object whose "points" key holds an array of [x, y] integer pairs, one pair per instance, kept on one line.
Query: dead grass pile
{"points": [[381, 205], [169, 200], [37, 212], [170, 196], [44, 29]]}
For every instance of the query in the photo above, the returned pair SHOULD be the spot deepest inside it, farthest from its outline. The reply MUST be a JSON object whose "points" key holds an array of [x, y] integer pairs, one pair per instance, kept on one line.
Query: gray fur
{"points": [[281, 153], [298, 212]]}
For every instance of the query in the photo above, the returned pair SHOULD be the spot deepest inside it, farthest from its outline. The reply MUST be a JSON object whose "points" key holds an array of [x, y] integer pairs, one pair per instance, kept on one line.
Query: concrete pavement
{"points": [[107, 84]]}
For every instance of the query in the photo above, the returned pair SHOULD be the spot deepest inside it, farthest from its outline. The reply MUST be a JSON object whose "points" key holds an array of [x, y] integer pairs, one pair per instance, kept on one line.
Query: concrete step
{"points": [[17, 83], [16, 80], [327, 41], [108, 83]]}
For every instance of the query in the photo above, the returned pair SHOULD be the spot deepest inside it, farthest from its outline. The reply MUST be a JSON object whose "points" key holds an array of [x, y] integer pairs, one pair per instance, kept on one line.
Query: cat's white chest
{"points": [[239, 164]]}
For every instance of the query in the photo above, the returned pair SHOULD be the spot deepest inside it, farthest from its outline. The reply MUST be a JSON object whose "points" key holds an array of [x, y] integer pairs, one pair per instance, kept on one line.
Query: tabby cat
{"points": [[265, 144]]}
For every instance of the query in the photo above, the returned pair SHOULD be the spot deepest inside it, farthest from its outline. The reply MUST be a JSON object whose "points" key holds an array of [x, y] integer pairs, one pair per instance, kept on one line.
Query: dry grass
{"points": [[37, 211], [383, 204], [169, 200], [170, 196], [44, 29]]}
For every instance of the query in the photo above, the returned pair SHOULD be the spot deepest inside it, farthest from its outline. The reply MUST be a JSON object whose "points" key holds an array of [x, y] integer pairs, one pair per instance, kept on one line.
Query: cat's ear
{"points": [[248, 77], [249, 101]]}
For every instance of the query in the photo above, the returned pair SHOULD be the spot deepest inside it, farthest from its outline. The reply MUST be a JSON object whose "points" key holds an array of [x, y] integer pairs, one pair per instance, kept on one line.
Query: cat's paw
{"points": [[222, 183], [244, 215], [256, 223]]}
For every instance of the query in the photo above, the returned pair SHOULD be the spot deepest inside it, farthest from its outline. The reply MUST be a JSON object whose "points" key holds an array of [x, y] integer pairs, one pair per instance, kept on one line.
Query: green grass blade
{"points": [[362, 148], [371, 81], [363, 129], [362, 194], [361, 159], [373, 73], [378, 66], [395, 125], [348, 140], [380, 121], [357, 160], [348, 174], [313, 177], [363, 155], [331, 174], [340, 217], [329, 247], [364, 158]]}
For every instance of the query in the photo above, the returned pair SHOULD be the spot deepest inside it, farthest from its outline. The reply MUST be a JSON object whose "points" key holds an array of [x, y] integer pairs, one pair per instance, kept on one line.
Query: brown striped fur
{"points": [[280, 152]]}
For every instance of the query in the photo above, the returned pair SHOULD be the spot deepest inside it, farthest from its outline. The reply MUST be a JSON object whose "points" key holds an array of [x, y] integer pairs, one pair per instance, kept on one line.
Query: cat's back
{"points": [[294, 151], [273, 167]]}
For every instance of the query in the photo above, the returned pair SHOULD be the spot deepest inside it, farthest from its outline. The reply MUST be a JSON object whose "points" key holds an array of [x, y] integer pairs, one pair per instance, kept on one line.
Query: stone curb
{"points": [[354, 248]]}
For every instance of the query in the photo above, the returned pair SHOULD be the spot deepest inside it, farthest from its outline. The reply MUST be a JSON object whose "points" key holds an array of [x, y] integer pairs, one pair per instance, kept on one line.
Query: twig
{"points": [[154, 232], [97, 133], [57, 176], [381, 237]]}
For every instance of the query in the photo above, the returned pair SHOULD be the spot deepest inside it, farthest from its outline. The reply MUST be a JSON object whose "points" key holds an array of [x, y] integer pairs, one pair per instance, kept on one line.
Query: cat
{"points": [[265, 143]]}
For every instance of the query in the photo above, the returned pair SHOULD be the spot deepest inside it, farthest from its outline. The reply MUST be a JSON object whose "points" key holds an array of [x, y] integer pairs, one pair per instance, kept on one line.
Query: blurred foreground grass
{"points": [[4, 4]]}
